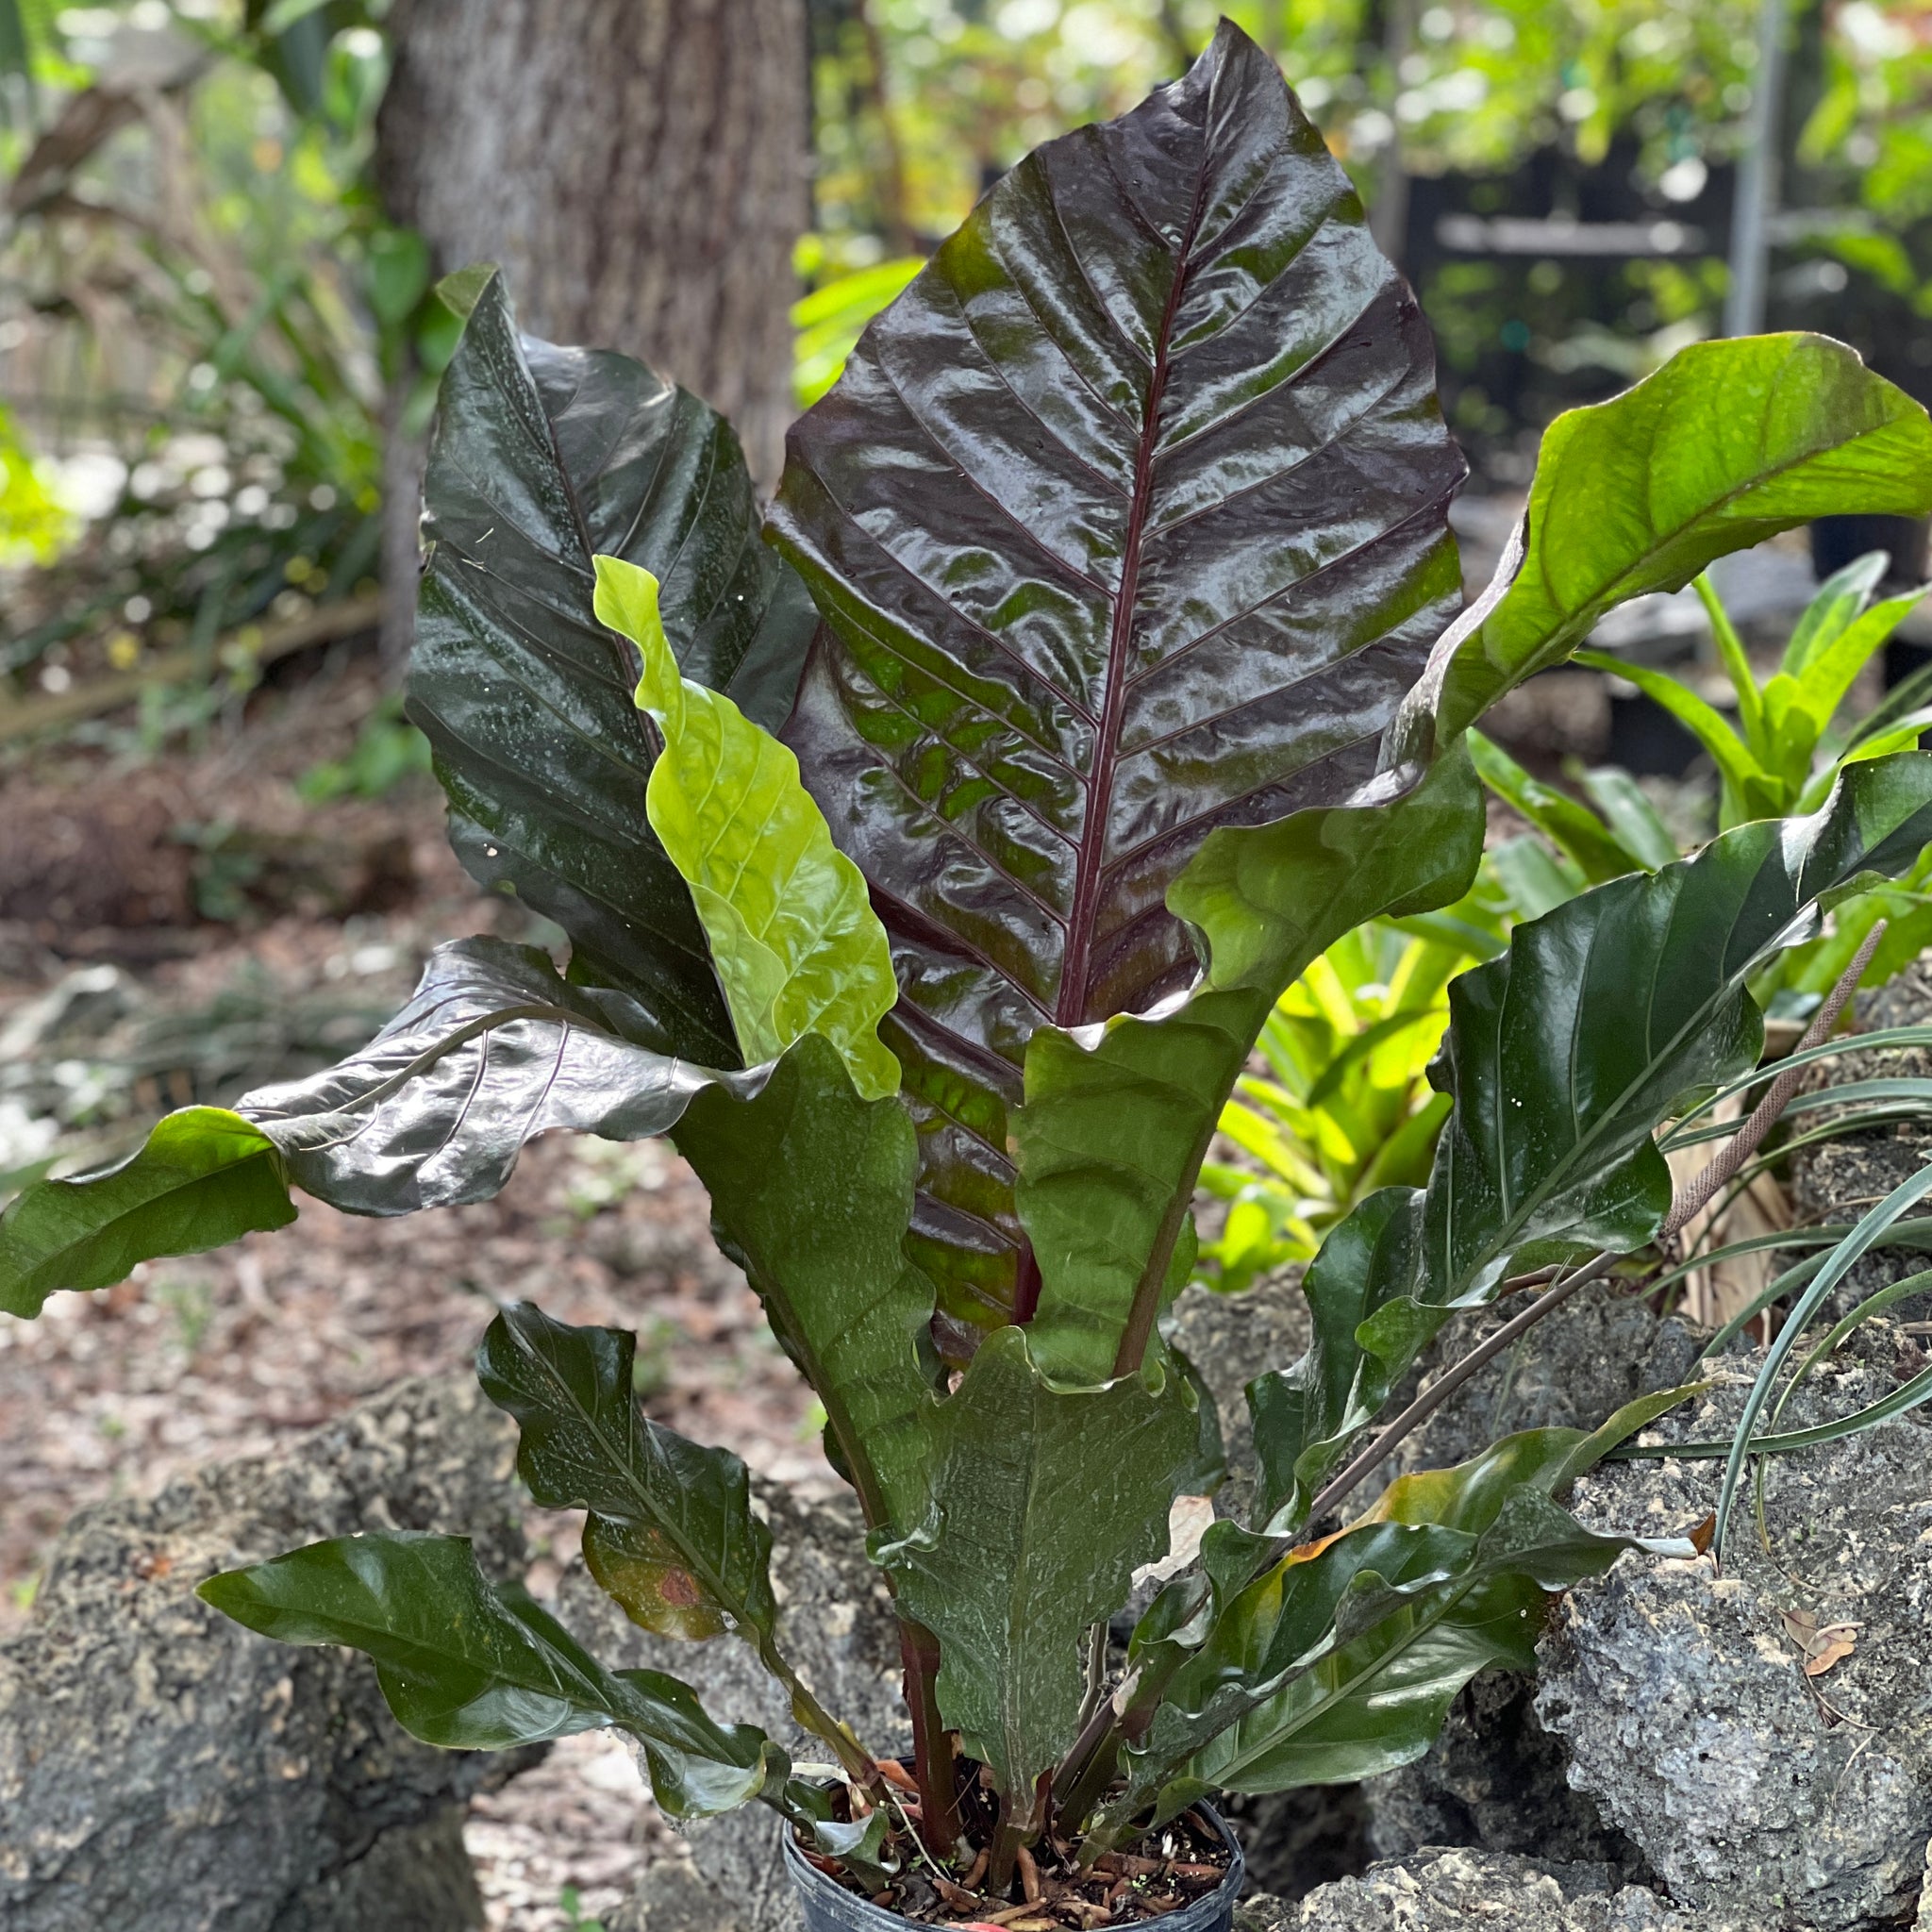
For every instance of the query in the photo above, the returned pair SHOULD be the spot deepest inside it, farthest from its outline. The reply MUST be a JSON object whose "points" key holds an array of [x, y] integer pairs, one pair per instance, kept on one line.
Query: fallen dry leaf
{"points": [[1822, 1645]]}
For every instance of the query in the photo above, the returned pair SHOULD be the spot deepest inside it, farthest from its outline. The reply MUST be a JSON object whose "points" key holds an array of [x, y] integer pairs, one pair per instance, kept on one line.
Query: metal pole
{"points": [[1758, 184]]}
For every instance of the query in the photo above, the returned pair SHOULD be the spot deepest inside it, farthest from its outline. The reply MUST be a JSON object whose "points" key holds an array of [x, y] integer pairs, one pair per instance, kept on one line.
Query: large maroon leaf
{"points": [[1129, 521]]}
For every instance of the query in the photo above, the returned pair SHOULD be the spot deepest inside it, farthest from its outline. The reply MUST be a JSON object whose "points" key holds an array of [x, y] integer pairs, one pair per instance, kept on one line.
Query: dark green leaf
{"points": [[811, 1193], [1045, 1501], [1341, 1659], [205, 1176], [794, 942], [474, 1665], [1727, 444], [703, 1557], [541, 459], [1603, 1020], [1128, 519]]}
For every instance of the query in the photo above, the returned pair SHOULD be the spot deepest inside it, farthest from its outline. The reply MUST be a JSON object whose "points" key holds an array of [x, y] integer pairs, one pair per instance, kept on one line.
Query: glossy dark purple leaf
{"points": [[1129, 521]]}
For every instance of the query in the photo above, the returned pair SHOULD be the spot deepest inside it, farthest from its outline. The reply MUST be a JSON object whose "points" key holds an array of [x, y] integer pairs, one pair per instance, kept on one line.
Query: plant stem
{"points": [[1009, 1836], [1439, 1391], [935, 1767], [853, 1758]]}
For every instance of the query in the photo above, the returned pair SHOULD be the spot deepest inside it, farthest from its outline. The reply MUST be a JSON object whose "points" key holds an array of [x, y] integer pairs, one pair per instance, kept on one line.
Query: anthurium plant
{"points": [[930, 870]]}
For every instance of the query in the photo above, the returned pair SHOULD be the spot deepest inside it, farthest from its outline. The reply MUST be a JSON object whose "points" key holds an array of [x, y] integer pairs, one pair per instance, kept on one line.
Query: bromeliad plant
{"points": [[1109, 635]]}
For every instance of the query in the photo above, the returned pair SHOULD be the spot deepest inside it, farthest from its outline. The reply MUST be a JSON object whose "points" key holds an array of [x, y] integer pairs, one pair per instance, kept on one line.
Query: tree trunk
{"points": [[640, 170]]}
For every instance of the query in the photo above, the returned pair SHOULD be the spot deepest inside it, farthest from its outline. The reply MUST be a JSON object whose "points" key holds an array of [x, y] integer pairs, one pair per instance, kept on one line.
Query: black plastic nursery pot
{"points": [[829, 1908]]}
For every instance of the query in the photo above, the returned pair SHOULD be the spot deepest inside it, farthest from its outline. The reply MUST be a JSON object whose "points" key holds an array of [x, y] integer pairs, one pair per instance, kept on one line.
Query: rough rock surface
{"points": [[838, 1632], [1495, 1779], [1572, 1370], [1461, 1891], [161, 1768], [1800, 1802], [1230, 1338]]}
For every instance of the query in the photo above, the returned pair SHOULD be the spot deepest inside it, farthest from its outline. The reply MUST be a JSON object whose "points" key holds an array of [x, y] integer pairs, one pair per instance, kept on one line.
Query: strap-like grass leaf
{"points": [[795, 944]]}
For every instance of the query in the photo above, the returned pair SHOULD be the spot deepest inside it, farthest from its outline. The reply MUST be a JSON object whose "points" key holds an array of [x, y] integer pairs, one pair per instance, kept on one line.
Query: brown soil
{"points": [[1158, 1876]]}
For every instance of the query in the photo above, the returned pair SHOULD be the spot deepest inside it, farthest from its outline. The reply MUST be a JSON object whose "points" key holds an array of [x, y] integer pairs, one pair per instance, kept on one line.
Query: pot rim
{"points": [[813, 1884]]}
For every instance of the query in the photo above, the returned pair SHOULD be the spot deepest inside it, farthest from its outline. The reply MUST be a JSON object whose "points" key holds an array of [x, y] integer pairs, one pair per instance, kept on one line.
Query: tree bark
{"points": [[639, 168]]}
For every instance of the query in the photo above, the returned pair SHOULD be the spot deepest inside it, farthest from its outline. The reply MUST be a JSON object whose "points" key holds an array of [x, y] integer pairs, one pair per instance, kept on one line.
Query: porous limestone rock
{"points": [[1798, 1801], [1464, 1890], [164, 1769]]}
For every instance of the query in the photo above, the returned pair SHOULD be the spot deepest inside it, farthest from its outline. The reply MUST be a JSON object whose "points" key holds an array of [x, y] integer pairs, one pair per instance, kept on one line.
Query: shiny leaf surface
{"points": [[474, 1665], [1128, 519], [1341, 1660], [1603, 1020], [1729, 444], [671, 1533], [1045, 1501], [793, 941], [541, 459], [493, 1049], [1118, 1118], [203, 1177]]}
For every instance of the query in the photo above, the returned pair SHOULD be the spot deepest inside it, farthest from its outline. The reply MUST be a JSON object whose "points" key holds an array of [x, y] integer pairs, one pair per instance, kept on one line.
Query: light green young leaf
{"points": [[1729, 444], [795, 943], [1118, 1118], [1832, 611], [1573, 828], [1736, 663], [1750, 781], [1631, 816]]}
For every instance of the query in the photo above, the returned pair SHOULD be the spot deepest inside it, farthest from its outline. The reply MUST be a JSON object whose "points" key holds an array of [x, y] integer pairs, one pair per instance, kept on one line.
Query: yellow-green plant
{"points": [[1345, 1105]]}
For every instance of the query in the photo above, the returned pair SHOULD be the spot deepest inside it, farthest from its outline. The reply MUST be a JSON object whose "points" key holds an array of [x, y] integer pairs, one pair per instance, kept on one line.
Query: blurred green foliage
{"points": [[1344, 1105]]}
